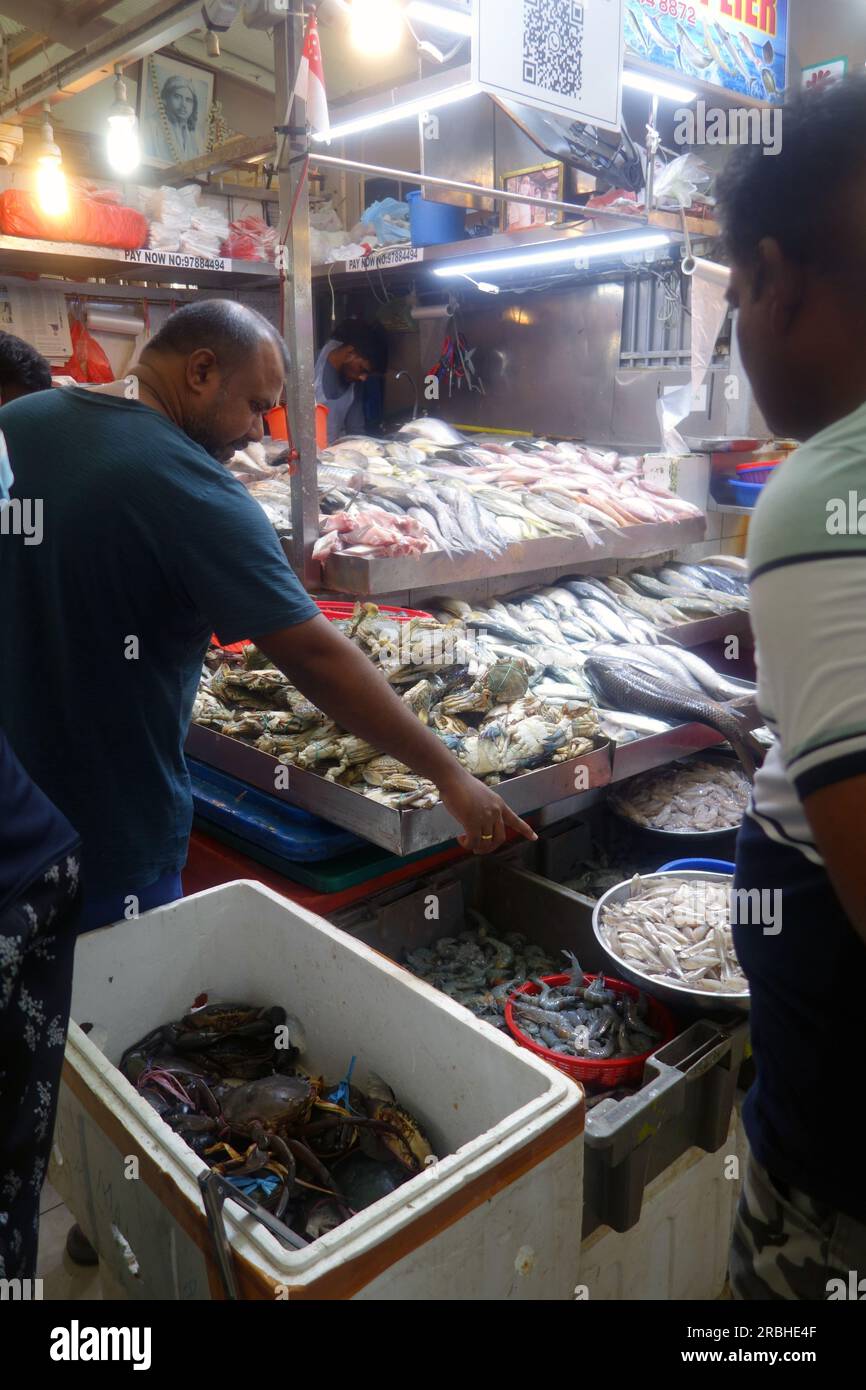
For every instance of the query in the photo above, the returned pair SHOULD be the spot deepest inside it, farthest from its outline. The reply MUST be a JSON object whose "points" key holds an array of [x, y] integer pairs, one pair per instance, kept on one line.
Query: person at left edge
{"points": [[150, 546], [353, 354], [23, 370], [39, 904]]}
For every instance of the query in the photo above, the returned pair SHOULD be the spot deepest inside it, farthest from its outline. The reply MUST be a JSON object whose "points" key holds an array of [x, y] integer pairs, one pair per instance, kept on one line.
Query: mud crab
{"points": [[394, 784], [249, 689], [500, 683]]}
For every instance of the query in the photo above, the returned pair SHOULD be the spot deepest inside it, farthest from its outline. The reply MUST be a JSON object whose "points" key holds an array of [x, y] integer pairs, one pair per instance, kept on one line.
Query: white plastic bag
{"points": [[678, 182]]}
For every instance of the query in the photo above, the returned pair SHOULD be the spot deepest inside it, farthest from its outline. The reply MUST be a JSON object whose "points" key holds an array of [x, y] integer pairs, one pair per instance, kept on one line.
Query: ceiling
{"points": [[41, 33], [246, 54]]}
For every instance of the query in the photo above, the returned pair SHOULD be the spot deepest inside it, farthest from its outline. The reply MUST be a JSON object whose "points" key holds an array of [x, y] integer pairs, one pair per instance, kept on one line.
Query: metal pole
{"points": [[653, 140], [300, 387], [479, 189]]}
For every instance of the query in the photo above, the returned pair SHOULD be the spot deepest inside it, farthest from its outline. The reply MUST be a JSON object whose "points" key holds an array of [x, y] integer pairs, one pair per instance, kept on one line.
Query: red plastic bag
{"points": [[92, 223], [250, 239], [88, 362]]}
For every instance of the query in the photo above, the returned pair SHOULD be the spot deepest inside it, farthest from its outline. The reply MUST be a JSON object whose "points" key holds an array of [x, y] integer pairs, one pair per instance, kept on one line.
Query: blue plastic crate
{"points": [[265, 821]]}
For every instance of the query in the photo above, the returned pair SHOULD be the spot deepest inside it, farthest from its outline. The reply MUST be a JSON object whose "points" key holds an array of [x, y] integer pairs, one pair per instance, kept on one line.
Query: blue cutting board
{"points": [[264, 820]]}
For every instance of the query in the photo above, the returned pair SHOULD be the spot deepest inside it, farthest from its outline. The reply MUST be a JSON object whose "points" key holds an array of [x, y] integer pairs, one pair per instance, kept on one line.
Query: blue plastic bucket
{"points": [[433, 224], [702, 866], [746, 494]]}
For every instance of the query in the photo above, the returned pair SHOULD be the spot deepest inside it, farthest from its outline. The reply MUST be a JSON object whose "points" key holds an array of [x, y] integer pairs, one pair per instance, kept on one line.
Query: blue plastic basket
{"points": [[746, 494], [433, 224], [701, 866]]}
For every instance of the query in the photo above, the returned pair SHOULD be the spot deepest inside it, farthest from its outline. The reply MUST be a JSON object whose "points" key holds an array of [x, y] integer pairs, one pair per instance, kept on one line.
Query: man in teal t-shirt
{"points": [[146, 546]]}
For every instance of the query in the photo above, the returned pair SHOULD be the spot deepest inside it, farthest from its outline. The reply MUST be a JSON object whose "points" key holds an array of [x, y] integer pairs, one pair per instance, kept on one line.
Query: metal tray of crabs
{"points": [[249, 721], [308, 1152], [402, 829]]}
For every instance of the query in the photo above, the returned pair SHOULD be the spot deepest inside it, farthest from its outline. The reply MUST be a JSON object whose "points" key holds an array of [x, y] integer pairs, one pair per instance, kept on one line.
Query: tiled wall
{"points": [[726, 535]]}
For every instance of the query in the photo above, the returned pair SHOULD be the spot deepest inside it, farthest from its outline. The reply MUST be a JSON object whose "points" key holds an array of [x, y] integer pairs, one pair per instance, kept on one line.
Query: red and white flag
{"points": [[310, 86]]}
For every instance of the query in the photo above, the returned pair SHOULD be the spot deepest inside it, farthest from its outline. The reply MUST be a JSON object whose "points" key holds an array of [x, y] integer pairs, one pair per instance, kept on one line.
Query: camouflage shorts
{"points": [[788, 1246]]}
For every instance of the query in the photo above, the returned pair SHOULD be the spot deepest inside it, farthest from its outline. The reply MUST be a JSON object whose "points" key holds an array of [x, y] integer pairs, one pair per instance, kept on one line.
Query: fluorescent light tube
{"points": [[449, 20], [656, 86], [388, 114], [577, 249]]}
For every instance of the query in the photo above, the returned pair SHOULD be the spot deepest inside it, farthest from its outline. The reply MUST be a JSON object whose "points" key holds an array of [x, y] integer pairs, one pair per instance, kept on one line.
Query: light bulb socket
{"points": [[47, 148], [120, 107]]}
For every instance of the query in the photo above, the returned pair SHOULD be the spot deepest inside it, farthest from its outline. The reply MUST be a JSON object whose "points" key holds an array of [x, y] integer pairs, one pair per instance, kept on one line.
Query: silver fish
{"points": [[658, 661], [712, 681], [680, 579], [608, 619], [437, 431], [639, 722]]}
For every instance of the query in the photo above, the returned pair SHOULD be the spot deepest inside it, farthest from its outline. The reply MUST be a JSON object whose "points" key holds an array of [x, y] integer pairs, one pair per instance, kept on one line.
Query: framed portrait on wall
{"points": [[173, 104], [539, 181]]}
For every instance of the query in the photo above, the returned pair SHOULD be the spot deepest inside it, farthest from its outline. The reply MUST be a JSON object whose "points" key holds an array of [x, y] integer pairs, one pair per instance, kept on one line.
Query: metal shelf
{"points": [[73, 260], [404, 257], [735, 623], [368, 576]]}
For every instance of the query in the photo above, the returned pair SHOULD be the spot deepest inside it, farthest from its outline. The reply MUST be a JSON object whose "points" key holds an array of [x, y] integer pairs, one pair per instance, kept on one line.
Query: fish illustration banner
{"points": [[738, 45]]}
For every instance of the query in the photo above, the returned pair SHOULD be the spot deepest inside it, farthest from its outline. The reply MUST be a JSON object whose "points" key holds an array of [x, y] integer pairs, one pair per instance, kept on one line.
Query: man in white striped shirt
{"points": [[794, 229]]}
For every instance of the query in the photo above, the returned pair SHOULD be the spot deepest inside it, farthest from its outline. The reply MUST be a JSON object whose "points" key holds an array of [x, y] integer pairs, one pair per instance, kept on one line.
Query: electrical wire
{"points": [[333, 296], [672, 305]]}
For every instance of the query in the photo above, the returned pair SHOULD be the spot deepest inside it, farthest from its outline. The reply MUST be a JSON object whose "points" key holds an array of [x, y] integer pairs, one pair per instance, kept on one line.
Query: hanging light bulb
{"points": [[124, 152], [376, 27], [52, 193]]}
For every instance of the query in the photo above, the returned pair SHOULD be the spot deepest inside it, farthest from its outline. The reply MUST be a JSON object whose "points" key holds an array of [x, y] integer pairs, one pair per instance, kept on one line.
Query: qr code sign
{"points": [[553, 45]]}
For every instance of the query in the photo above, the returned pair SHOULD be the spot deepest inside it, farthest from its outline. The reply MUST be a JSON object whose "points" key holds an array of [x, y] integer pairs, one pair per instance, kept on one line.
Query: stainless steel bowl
{"points": [[678, 839], [711, 1001], [675, 840]]}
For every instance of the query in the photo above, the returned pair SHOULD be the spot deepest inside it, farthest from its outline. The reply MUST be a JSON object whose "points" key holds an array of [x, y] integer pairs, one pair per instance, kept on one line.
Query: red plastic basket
{"points": [[756, 472], [335, 611], [601, 1076]]}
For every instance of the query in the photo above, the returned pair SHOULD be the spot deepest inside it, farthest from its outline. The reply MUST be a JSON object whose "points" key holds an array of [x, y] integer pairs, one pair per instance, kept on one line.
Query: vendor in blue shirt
{"points": [[150, 546], [347, 368]]}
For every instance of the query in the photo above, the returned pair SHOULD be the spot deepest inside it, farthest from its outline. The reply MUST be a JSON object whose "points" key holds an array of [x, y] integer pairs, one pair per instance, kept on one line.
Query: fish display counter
{"points": [[430, 507], [548, 695]]}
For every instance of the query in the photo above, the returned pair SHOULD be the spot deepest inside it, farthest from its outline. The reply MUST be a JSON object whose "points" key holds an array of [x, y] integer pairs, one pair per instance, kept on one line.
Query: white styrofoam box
{"points": [[497, 1217], [679, 1248], [688, 476]]}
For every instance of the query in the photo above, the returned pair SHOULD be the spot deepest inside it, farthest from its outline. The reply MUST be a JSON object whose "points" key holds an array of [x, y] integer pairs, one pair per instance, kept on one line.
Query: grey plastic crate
{"points": [[689, 1085]]}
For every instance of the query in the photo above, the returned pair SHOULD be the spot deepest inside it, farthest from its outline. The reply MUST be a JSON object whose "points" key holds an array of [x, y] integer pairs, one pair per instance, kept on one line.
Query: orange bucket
{"points": [[277, 422]]}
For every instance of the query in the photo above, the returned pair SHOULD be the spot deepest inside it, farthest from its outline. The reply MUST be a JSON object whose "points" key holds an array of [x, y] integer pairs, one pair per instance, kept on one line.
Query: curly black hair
{"points": [[368, 340], [802, 196], [22, 368]]}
